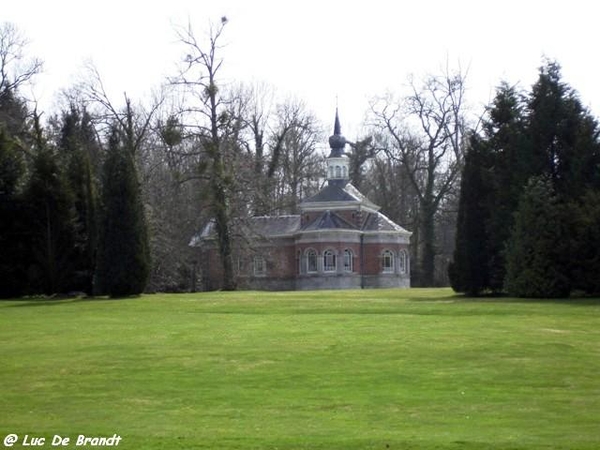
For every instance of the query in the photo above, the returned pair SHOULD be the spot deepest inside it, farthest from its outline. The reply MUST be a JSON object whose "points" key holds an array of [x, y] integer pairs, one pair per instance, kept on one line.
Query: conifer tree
{"points": [[583, 221], [564, 134], [510, 165], [537, 252], [78, 146], [50, 221], [469, 272], [12, 264], [123, 262]]}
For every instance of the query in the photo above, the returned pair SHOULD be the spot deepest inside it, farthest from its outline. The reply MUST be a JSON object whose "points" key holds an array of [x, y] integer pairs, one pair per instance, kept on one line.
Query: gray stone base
{"points": [[315, 282]]}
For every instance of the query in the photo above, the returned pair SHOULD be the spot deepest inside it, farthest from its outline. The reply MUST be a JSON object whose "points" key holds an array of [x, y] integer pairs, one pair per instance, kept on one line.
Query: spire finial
{"points": [[337, 141], [337, 129]]}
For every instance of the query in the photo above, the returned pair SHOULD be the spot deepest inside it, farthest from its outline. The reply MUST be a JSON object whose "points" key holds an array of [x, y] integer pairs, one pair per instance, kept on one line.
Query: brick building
{"points": [[339, 240]]}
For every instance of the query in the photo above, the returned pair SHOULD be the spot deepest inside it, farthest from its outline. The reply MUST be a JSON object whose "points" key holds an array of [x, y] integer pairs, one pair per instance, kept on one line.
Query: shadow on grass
{"points": [[59, 300], [498, 299]]}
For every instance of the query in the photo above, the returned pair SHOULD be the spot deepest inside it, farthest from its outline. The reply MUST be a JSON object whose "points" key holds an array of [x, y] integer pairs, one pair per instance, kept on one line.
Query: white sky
{"points": [[316, 50]]}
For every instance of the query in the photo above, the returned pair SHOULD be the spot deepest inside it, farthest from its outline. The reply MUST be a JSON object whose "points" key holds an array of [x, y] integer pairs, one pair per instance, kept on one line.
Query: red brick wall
{"points": [[282, 261], [373, 256]]}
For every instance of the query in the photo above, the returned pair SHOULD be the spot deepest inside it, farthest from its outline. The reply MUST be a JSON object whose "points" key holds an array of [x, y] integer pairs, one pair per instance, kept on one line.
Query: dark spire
{"points": [[337, 129], [337, 142]]}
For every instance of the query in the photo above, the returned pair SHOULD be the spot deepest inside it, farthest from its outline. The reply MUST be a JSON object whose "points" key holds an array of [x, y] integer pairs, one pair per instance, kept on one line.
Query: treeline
{"points": [[529, 211], [103, 197]]}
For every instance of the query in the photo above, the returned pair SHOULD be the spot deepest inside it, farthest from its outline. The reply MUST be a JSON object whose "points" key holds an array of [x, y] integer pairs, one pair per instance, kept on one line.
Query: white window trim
{"points": [[402, 261], [350, 267], [308, 269], [385, 254], [331, 267]]}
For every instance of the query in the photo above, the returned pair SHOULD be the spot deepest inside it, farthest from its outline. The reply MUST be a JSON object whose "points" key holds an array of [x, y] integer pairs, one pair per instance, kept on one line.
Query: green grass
{"points": [[376, 369]]}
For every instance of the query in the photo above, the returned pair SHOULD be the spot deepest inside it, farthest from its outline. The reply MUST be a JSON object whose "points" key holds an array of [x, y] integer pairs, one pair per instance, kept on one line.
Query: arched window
{"points": [[260, 265], [329, 261], [344, 172], [402, 261], [311, 260], [348, 261], [330, 171], [338, 172], [387, 262]]}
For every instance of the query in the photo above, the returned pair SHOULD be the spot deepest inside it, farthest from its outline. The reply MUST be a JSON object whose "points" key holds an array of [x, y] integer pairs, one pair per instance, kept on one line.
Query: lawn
{"points": [[375, 369]]}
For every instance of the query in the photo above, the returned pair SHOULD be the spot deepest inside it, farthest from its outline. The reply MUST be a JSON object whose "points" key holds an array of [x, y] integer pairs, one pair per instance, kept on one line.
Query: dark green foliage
{"points": [[12, 263], [123, 262], [14, 245], [538, 252], [564, 134], [51, 222], [584, 221], [469, 271], [14, 115], [549, 136], [79, 148], [509, 166], [497, 166]]}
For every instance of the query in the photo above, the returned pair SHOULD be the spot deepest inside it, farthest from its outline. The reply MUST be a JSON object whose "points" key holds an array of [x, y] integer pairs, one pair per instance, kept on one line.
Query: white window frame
{"points": [[402, 261], [329, 261], [312, 253], [387, 261], [348, 260]]}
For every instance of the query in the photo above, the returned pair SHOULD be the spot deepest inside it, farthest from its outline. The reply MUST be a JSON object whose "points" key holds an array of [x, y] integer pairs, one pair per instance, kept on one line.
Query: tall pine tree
{"points": [[564, 134], [497, 166], [469, 272], [51, 221], [538, 250], [123, 262], [13, 268], [78, 148], [550, 138]]}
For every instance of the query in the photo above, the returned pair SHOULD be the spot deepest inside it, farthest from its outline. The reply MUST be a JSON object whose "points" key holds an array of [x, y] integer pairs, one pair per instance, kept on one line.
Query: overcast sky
{"points": [[316, 50]]}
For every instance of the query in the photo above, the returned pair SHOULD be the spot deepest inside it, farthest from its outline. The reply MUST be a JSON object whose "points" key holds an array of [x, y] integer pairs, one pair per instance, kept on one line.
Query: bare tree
{"points": [[280, 139], [133, 122], [209, 124], [426, 131], [296, 145], [15, 68]]}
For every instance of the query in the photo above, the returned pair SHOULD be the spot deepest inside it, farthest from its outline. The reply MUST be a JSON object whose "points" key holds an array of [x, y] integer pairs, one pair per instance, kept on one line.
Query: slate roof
{"points": [[331, 193], [273, 225], [380, 222], [287, 225], [260, 226], [327, 221], [339, 193]]}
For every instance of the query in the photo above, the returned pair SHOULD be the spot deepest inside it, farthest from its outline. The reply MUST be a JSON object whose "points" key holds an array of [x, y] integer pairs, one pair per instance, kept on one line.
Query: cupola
{"points": [[338, 164]]}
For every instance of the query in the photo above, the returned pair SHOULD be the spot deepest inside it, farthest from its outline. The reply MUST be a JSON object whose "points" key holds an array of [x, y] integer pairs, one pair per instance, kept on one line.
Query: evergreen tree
{"points": [[78, 146], [469, 272], [510, 165], [584, 226], [537, 252], [564, 134], [12, 264], [547, 135], [123, 262], [497, 166], [14, 144], [51, 221]]}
